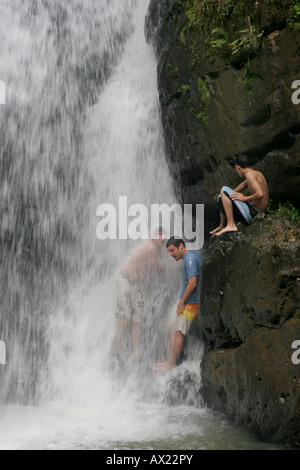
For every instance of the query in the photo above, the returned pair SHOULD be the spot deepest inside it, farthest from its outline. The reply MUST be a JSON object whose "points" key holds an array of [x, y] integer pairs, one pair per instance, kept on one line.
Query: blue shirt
{"points": [[192, 266]]}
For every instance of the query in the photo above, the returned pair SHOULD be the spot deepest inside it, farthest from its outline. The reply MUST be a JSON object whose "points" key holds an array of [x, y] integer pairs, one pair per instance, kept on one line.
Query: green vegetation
{"points": [[182, 36], [248, 76], [210, 17], [230, 29], [184, 89], [220, 39], [285, 210], [206, 15], [294, 18], [232, 26], [248, 40], [202, 114]]}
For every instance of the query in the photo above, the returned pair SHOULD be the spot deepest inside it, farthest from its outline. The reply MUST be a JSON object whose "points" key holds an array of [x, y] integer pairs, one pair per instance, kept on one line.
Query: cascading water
{"points": [[54, 60], [80, 128]]}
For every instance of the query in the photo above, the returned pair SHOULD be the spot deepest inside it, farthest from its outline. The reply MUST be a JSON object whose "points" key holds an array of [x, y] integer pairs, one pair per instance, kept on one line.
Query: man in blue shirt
{"points": [[188, 305]]}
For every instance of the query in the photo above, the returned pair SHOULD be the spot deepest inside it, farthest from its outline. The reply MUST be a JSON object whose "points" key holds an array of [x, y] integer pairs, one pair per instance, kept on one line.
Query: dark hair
{"points": [[242, 161], [175, 241]]}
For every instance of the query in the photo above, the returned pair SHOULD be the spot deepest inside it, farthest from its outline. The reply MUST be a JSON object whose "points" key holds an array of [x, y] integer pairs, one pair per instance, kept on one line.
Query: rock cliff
{"points": [[225, 76], [250, 318]]}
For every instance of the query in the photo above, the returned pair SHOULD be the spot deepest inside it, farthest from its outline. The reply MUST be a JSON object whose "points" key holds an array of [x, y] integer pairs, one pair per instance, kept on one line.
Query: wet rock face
{"points": [[250, 318], [215, 109]]}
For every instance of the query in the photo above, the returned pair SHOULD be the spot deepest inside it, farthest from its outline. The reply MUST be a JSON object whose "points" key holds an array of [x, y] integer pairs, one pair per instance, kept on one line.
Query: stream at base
{"points": [[136, 426]]}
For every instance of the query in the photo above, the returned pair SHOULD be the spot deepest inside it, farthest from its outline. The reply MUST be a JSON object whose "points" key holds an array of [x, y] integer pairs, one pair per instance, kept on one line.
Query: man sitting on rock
{"points": [[234, 206]]}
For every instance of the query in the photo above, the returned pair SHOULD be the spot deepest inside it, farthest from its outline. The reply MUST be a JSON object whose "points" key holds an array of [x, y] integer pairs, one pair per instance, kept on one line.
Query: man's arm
{"points": [[192, 284], [241, 187], [256, 193]]}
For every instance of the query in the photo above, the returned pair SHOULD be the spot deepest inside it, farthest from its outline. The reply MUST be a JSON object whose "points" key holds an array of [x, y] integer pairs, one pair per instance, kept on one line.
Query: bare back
{"points": [[141, 262]]}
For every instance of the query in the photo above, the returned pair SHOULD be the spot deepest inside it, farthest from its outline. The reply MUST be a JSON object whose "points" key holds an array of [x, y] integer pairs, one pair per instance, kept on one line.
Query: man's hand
{"points": [[192, 284], [180, 307], [236, 196]]}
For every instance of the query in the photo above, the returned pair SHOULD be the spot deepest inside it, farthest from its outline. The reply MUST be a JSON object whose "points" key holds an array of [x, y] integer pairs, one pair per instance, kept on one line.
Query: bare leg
{"points": [[120, 330], [175, 352], [228, 207], [171, 335], [222, 224]]}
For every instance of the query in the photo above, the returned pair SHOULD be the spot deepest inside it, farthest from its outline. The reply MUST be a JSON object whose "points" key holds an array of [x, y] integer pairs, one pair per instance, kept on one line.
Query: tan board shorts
{"points": [[186, 318], [130, 298]]}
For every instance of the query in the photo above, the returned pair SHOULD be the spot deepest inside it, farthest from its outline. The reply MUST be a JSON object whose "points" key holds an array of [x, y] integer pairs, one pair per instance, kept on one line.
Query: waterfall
{"points": [[80, 127], [54, 60], [124, 148]]}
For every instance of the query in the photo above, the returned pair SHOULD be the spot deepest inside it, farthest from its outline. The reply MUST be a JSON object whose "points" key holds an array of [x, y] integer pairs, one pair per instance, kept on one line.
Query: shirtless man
{"points": [[130, 303], [233, 205]]}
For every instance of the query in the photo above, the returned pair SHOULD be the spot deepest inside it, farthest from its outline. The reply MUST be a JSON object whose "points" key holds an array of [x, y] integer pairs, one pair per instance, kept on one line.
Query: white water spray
{"points": [[55, 58]]}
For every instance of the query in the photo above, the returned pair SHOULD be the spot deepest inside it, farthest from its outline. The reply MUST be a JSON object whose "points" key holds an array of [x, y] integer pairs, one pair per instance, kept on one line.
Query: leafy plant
{"points": [[286, 210], [294, 18], [219, 38], [249, 40]]}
